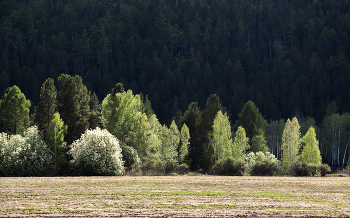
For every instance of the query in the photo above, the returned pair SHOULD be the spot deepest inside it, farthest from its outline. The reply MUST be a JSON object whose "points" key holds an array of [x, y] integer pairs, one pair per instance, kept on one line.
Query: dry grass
{"points": [[179, 196]]}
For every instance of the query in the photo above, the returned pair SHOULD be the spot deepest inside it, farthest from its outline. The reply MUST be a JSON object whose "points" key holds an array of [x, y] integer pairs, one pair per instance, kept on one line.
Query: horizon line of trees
{"points": [[197, 140]]}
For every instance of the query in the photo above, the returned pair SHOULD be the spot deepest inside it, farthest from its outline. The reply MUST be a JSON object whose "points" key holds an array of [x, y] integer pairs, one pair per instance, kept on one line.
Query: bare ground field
{"points": [[175, 196]]}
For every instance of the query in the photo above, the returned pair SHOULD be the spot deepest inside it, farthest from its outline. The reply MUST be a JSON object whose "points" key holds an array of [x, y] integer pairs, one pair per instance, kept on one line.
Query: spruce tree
{"points": [[251, 120], [212, 107], [95, 106], [73, 106], [14, 111], [47, 105]]}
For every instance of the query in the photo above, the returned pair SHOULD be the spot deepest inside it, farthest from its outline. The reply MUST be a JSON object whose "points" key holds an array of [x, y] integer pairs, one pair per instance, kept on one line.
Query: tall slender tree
{"points": [[184, 143], [221, 140], [290, 143], [58, 147], [47, 105], [94, 120]]}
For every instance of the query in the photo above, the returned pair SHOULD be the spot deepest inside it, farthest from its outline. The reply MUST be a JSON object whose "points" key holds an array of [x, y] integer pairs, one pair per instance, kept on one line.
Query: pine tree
{"points": [[14, 110], [73, 106], [95, 106], [251, 120], [310, 152], [290, 143], [192, 118], [47, 105], [212, 107]]}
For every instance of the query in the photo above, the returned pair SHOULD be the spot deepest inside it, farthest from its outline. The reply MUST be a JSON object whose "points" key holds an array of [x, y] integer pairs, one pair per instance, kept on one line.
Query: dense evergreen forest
{"points": [[291, 58]]}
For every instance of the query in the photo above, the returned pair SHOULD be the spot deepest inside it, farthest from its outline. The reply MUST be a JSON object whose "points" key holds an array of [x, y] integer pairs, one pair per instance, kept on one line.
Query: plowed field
{"points": [[178, 196]]}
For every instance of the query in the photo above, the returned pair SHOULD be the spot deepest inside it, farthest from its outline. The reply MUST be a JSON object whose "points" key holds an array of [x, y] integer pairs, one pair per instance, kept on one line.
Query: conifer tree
{"points": [[47, 105], [290, 143], [14, 111], [212, 107], [73, 106], [94, 104], [251, 120], [192, 118]]}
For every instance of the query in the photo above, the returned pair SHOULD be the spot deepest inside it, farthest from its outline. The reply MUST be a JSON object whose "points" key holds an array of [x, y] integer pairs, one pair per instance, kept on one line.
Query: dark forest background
{"points": [[290, 57]]}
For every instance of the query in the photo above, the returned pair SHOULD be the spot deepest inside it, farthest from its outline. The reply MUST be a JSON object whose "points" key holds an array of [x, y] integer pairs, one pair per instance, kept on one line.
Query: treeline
{"points": [[289, 57], [64, 137]]}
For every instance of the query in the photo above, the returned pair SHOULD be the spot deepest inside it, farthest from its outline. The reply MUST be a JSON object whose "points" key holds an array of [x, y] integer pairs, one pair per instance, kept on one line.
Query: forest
{"points": [[290, 58]]}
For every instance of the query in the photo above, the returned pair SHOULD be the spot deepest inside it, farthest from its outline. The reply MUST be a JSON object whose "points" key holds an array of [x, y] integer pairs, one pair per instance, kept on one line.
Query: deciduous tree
{"points": [[310, 152], [290, 143]]}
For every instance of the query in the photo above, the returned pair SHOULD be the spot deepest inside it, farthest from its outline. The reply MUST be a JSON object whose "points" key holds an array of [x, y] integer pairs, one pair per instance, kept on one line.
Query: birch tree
{"points": [[184, 143], [222, 137], [310, 152], [240, 144], [55, 141], [290, 143]]}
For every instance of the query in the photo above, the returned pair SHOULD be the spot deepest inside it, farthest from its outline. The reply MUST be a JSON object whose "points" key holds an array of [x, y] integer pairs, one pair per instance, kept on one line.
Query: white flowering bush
{"points": [[25, 155], [261, 163], [97, 153]]}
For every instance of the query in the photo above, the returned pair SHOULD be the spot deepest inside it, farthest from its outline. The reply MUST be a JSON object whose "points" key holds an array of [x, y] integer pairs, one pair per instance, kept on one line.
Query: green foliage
{"points": [[47, 105], [290, 143], [310, 152], [324, 169], [184, 168], [221, 139], [251, 120], [131, 159], [205, 149], [14, 110], [184, 144], [73, 105], [25, 155], [58, 147], [97, 153], [95, 119], [298, 168], [229, 167], [258, 143], [192, 119], [263, 164], [240, 144]]}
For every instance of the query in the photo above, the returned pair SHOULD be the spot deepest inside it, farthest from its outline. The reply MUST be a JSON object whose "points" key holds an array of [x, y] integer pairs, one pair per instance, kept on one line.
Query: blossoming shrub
{"points": [[25, 155], [263, 164], [97, 153]]}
